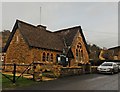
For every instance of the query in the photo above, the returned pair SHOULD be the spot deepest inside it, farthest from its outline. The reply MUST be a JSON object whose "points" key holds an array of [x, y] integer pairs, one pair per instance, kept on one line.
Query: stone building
{"points": [[114, 53], [28, 43]]}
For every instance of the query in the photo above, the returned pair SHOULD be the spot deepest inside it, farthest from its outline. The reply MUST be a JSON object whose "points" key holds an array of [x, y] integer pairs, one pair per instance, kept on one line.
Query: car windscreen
{"points": [[106, 64]]}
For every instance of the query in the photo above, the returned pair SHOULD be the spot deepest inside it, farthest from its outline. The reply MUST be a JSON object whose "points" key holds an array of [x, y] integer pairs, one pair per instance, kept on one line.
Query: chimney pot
{"points": [[41, 27]]}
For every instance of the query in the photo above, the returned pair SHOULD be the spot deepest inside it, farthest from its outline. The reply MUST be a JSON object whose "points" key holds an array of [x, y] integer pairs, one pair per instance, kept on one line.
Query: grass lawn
{"points": [[21, 82]]}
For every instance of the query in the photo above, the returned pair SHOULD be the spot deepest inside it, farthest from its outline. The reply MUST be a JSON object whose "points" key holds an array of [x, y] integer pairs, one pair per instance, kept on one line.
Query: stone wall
{"points": [[38, 55], [58, 71], [18, 51], [70, 71]]}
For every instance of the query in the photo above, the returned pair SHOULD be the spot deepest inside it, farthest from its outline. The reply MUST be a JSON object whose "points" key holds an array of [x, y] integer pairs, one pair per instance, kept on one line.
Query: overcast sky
{"points": [[99, 21]]}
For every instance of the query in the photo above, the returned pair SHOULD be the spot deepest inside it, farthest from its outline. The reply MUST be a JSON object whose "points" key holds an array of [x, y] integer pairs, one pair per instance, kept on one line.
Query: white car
{"points": [[108, 67], [118, 63]]}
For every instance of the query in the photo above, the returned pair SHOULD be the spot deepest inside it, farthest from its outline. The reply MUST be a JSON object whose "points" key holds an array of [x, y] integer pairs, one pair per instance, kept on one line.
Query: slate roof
{"points": [[42, 38]]}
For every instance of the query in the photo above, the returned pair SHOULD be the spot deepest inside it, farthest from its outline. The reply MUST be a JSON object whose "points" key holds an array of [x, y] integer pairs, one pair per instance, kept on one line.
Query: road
{"points": [[81, 82]]}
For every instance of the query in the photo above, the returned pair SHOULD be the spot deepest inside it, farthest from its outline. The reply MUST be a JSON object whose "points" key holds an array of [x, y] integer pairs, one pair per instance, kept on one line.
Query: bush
{"points": [[99, 62]]}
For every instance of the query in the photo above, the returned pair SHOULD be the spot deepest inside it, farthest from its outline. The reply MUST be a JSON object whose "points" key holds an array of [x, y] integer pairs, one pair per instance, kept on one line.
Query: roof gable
{"points": [[11, 36], [69, 34]]}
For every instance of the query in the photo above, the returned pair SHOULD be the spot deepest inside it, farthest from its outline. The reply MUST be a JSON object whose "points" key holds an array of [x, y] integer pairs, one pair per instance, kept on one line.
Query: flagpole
{"points": [[40, 15]]}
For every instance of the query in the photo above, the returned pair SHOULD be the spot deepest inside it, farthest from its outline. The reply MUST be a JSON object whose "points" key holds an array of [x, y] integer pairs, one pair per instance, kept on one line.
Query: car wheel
{"points": [[112, 72], [117, 71]]}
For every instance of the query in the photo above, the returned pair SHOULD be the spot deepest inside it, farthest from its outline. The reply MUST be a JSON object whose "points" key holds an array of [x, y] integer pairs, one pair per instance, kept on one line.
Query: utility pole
{"points": [[40, 13]]}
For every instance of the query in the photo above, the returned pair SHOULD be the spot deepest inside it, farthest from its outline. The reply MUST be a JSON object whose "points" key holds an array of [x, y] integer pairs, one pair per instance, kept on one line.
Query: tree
{"points": [[5, 36], [94, 51]]}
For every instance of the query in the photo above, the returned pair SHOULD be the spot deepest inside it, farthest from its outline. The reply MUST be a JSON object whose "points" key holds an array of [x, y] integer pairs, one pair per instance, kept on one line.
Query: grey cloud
{"points": [[98, 20]]}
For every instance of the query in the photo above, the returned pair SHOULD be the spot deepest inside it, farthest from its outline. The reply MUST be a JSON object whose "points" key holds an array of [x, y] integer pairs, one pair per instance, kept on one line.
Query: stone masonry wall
{"points": [[18, 51], [38, 55], [85, 60]]}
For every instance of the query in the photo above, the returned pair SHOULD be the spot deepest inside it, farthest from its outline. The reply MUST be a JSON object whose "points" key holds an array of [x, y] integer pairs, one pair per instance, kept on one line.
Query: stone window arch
{"points": [[76, 54], [80, 45], [47, 57], [82, 53], [44, 56], [77, 46], [79, 52]]}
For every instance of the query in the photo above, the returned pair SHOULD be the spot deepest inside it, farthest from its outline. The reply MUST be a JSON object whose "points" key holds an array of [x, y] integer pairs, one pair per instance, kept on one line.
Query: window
{"points": [[80, 47], [47, 56], [51, 57], [43, 57], [79, 52], [76, 54], [79, 43], [79, 55], [58, 58]]}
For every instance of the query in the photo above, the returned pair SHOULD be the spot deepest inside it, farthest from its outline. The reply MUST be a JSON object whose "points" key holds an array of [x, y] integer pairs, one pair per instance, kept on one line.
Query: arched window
{"points": [[47, 57], [76, 54], [43, 57], [82, 53], [52, 57], [79, 55], [79, 52], [80, 47]]}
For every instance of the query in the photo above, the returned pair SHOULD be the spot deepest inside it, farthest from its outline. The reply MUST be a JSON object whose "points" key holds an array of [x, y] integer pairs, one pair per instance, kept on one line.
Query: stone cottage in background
{"points": [[110, 54], [28, 43], [114, 53]]}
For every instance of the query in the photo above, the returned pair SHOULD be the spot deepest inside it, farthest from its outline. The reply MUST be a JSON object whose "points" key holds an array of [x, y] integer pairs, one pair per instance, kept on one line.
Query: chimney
{"points": [[41, 27]]}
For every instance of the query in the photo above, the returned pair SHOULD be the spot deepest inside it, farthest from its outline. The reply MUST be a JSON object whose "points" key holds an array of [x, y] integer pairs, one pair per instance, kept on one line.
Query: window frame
{"points": [[44, 56]]}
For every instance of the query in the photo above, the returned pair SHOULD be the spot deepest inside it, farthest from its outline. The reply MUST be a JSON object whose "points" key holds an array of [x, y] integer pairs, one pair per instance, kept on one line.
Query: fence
{"points": [[33, 69], [14, 70], [38, 68]]}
